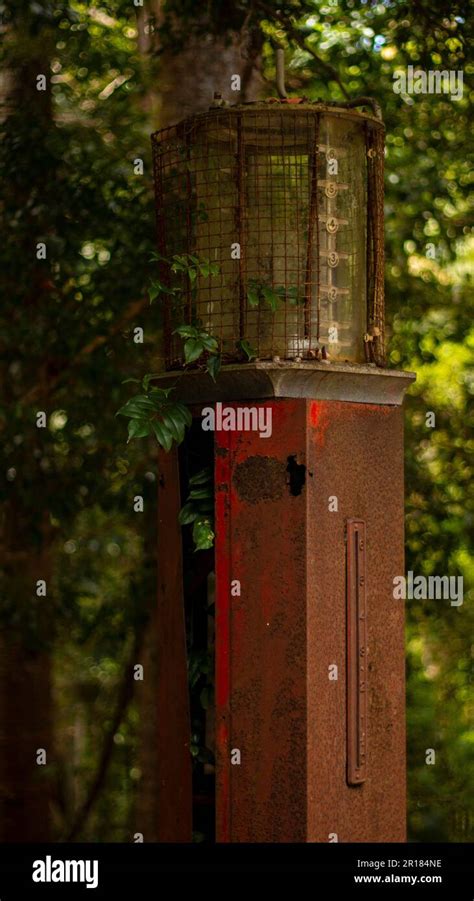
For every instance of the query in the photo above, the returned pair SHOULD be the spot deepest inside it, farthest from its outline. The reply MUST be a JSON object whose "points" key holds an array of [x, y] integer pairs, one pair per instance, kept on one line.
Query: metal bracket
{"points": [[356, 643]]}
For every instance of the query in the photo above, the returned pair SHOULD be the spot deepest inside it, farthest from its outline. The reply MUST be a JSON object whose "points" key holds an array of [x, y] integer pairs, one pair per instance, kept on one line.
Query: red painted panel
{"points": [[261, 631], [275, 642]]}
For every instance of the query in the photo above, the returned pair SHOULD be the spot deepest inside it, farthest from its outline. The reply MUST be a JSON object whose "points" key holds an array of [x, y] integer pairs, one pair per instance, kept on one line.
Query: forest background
{"points": [[114, 72]]}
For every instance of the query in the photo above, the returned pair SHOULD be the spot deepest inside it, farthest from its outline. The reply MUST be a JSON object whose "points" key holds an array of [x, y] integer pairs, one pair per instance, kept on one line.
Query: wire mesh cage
{"points": [[283, 206]]}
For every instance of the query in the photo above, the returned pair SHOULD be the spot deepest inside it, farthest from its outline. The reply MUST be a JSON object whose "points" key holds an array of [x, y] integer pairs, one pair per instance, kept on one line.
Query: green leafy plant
{"points": [[193, 266], [181, 263], [246, 349], [199, 509], [258, 292], [153, 413], [196, 342], [200, 675], [157, 288]]}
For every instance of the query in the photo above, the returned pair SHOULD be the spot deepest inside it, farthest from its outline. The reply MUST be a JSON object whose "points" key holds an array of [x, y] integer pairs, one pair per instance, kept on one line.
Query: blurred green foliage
{"points": [[66, 347]]}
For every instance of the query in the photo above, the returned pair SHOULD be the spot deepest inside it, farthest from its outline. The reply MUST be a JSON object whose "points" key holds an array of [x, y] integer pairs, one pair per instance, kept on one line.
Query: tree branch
{"points": [[294, 34], [123, 700], [38, 390]]}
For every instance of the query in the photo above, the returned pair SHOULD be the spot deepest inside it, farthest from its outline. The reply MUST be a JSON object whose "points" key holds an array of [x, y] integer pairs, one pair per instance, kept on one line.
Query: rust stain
{"points": [[260, 479]]}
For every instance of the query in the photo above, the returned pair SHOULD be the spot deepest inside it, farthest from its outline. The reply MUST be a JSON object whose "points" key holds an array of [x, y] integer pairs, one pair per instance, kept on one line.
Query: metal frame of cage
{"points": [[257, 174]]}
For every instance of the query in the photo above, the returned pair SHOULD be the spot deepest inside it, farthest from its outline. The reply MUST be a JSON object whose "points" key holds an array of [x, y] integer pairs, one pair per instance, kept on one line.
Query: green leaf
{"points": [[158, 256], [209, 342], [137, 407], [157, 288], [198, 664], [271, 297], [200, 493], [193, 349], [153, 291], [206, 697], [180, 263], [203, 536], [292, 296], [140, 399], [159, 393], [187, 514], [253, 297], [192, 273], [138, 428], [213, 366], [204, 475], [246, 347], [182, 412], [173, 423], [162, 434], [186, 331], [126, 381]]}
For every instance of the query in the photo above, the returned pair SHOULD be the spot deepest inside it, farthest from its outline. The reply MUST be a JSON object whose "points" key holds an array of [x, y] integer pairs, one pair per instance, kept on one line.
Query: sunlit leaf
{"points": [[203, 535]]}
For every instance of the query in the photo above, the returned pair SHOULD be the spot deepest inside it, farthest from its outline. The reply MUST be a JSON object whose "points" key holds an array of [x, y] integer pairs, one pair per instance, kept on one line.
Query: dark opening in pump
{"points": [[297, 475]]}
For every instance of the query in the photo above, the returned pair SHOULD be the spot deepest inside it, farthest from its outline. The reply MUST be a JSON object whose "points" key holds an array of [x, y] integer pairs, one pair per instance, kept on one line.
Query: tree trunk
{"points": [[25, 684], [185, 84], [26, 534], [189, 80], [201, 62], [25, 727]]}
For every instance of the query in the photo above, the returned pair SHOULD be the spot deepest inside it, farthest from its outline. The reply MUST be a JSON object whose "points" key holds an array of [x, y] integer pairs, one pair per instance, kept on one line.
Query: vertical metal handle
{"points": [[356, 642]]}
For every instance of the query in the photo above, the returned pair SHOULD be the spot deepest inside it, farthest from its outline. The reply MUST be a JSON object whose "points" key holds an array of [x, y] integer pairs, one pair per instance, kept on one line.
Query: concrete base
{"points": [[324, 381]]}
